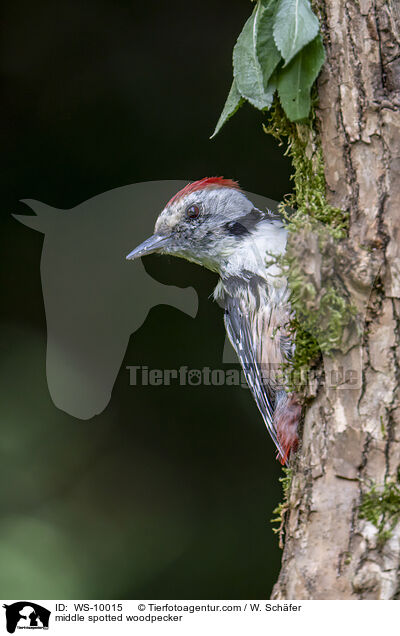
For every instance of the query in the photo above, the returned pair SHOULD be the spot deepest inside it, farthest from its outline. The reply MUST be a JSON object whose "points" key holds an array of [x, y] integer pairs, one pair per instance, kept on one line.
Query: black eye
{"points": [[192, 212]]}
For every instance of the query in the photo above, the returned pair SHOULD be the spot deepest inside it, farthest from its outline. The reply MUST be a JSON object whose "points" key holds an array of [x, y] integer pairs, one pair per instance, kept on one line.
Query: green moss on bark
{"points": [[309, 196], [280, 510], [381, 507], [320, 314]]}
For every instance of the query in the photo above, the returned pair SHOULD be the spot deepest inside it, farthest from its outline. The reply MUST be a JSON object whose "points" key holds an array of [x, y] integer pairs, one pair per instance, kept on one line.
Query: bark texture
{"points": [[352, 435]]}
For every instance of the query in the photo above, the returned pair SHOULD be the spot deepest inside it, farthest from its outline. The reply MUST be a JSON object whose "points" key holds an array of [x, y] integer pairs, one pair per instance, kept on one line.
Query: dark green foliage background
{"points": [[168, 493]]}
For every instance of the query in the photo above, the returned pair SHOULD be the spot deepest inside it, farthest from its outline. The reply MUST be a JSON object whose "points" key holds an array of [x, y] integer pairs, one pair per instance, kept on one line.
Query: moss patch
{"points": [[320, 314], [381, 506], [309, 196], [281, 509]]}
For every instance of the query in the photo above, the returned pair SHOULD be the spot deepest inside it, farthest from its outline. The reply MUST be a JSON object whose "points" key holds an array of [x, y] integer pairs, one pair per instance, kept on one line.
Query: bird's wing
{"points": [[242, 332]]}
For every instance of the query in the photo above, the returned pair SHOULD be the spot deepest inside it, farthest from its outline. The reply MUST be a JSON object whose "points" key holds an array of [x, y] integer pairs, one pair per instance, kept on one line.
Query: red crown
{"points": [[207, 182]]}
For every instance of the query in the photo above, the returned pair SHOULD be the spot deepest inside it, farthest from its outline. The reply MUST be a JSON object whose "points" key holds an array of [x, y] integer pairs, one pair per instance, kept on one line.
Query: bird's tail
{"points": [[286, 419]]}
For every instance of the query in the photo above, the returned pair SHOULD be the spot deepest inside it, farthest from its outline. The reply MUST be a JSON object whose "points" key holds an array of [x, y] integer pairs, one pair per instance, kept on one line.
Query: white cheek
{"points": [[257, 252]]}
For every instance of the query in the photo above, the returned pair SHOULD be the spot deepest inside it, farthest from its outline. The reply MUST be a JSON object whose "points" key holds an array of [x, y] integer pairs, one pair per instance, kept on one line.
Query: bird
{"points": [[213, 223]]}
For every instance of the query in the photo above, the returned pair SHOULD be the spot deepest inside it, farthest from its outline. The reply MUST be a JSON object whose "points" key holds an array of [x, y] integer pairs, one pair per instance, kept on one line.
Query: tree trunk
{"points": [[351, 437]]}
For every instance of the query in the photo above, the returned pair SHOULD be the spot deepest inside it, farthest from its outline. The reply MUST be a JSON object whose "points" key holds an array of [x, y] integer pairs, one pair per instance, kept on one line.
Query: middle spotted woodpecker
{"points": [[212, 222]]}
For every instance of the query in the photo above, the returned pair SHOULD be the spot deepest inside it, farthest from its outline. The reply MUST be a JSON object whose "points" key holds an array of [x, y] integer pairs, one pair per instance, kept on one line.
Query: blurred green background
{"points": [[168, 493]]}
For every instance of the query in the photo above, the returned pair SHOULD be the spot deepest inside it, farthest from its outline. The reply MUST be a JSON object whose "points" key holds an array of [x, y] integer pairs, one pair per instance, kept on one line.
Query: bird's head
{"points": [[204, 223]]}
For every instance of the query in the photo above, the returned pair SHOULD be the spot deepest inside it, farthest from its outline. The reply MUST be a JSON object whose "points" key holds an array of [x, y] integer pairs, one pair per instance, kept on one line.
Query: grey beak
{"points": [[149, 246]]}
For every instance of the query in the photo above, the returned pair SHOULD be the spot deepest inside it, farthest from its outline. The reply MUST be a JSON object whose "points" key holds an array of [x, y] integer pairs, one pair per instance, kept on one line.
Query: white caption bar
{"points": [[197, 617]]}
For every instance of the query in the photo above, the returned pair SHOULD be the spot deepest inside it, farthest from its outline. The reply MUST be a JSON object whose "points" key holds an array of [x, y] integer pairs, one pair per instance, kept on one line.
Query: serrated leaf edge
{"points": [[289, 59], [260, 78], [240, 103]]}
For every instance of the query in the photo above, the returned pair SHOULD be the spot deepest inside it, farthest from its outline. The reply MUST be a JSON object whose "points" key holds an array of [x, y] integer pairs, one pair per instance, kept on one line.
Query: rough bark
{"points": [[352, 436]]}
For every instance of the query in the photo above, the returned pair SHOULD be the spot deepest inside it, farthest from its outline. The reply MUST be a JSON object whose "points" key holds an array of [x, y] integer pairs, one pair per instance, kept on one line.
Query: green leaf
{"points": [[266, 50], [232, 104], [247, 70], [295, 26], [296, 79]]}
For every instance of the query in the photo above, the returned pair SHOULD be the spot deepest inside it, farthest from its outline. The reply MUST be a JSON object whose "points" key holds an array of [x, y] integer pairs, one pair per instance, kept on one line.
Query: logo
{"points": [[26, 615]]}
